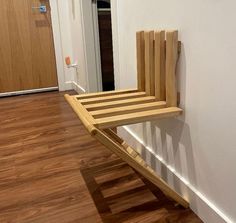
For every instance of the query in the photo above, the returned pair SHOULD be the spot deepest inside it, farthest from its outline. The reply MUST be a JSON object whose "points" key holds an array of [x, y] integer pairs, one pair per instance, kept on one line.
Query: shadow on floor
{"points": [[122, 195]]}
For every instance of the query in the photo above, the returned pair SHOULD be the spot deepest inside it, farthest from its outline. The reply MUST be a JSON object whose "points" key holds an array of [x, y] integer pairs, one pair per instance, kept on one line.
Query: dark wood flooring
{"points": [[51, 170]]}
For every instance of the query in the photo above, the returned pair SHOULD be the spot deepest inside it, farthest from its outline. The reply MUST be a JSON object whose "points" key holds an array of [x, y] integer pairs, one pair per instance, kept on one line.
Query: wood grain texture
{"points": [[26, 47], [140, 48], [137, 117], [113, 104], [149, 63], [41, 147], [95, 125], [127, 109], [52, 170], [112, 141], [171, 60], [159, 57], [112, 98], [132, 158], [118, 197], [106, 93], [159, 63]]}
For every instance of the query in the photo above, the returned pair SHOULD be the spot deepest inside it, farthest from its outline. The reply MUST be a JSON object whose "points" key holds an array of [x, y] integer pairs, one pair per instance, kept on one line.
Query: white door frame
{"points": [[115, 41], [92, 46], [58, 44], [97, 44], [91, 42]]}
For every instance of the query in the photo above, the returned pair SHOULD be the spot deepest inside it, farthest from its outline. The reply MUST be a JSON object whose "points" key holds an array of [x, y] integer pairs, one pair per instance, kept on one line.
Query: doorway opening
{"points": [[106, 46]]}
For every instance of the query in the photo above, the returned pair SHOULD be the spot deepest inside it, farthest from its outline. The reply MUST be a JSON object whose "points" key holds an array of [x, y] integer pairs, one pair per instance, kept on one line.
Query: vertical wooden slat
{"points": [[160, 85], [171, 59], [149, 63], [140, 60]]}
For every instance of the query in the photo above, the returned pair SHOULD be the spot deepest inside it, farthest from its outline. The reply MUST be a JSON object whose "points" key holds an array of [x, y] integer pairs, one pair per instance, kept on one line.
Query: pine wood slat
{"points": [[140, 48], [127, 109], [136, 117], [171, 60], [149, 63], [105, 93], [112, 98], [113, 104], [159, 63]]}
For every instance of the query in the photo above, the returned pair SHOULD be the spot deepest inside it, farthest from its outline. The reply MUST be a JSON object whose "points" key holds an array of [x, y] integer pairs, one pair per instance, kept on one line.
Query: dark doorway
{"points": [[106, 49]]}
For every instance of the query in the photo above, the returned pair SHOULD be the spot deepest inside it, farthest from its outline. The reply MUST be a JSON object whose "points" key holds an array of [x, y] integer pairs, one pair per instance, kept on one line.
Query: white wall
{"points": [[78, 41], [69, 40], [77, 44], [66, 39], [198, 148], [91, 45]]}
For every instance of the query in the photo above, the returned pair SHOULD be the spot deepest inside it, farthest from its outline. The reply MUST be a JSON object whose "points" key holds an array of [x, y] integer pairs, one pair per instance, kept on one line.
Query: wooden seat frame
{"points": [[154, 98]]}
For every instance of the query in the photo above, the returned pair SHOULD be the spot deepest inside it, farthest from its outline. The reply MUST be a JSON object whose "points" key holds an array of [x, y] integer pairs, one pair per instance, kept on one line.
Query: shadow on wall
{"points": [[170, 140]]}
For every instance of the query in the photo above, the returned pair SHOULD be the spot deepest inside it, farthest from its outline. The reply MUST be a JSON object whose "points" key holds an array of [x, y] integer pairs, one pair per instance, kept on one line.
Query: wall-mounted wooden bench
{"points": [[154, 98]]}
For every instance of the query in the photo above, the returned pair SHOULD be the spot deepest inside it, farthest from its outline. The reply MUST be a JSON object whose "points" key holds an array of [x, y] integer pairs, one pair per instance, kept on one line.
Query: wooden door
{"points": [[27, 58]]}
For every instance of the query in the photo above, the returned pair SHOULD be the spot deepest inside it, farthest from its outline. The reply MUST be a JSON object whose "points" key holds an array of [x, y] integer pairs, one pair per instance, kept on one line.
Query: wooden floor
{"points": [[51, 170]]}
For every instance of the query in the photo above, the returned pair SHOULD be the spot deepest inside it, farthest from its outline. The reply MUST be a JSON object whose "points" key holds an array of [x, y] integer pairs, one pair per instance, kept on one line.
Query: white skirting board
{"points": [[14, 93], [204, 208], [73, 85]]}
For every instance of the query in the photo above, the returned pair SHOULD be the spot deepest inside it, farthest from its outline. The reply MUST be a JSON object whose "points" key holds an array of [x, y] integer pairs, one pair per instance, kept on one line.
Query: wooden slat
{"points": [[137, 117], [140, 60], [114, 136], [84, 116], [112, 98], [171, 60], [136, 162], [121, 142], [160, 89], [127, 109], [106, 93], [149, 63], [114, 104]]}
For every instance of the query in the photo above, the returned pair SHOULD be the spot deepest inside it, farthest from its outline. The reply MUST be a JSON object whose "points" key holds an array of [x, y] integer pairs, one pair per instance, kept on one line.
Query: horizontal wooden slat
{"points": [[127, 109], [112, 98], [137, 117], [113, 104], [105, 93]]}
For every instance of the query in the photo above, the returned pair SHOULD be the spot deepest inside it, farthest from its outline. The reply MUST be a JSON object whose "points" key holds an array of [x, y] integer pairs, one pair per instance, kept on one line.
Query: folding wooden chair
{"points": [[154, 98]]}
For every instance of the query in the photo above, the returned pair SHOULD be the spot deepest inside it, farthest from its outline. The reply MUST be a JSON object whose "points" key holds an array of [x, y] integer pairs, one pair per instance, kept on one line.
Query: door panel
{"points": [[27, 58]]}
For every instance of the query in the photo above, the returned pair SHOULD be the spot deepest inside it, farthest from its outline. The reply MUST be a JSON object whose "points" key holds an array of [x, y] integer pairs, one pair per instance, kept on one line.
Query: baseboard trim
{"points": [[73, 85], [14, 93], [202, 206]]}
